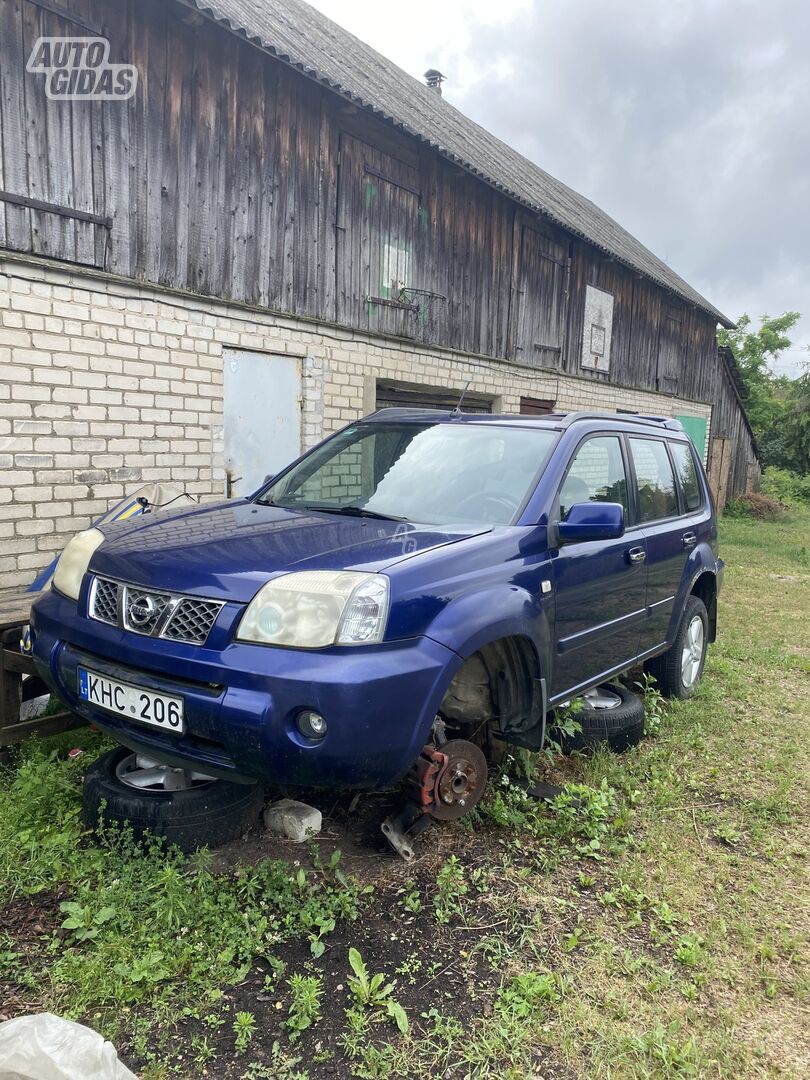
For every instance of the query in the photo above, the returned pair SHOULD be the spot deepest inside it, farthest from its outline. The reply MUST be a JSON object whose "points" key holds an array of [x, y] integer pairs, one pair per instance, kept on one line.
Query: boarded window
{"points": [[539, 326], [379, 225], [670, 351], [51, 173], [391, 395], [530, 406]]}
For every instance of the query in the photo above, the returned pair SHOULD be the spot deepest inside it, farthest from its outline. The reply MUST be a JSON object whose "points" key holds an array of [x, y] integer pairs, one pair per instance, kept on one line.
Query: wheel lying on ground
{"points": [[610, 714], [677, 672], [188, 809]]}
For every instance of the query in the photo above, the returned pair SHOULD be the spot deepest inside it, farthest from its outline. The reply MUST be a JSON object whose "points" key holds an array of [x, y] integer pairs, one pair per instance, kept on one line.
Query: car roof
{"points": [[558, 421]]}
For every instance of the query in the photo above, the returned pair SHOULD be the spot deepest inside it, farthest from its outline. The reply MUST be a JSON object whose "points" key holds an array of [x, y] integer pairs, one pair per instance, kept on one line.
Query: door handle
{"points": [[636, 555], [689, 539]]}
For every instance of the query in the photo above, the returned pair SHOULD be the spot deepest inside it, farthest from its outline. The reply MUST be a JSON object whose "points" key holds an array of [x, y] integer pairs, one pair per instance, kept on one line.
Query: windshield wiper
{"points": [[347, 511]]}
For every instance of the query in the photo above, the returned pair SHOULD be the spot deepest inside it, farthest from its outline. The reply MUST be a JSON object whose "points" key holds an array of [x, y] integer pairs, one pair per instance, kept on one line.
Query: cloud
{"points": [[686, 120]]}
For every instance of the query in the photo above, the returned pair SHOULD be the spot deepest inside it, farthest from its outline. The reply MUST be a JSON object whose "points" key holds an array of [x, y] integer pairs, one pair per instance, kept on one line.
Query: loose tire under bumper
{"points": [[206, 815]]}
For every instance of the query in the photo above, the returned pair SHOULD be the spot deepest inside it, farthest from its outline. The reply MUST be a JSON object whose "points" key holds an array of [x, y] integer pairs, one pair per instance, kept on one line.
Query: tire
{"points": [[620, 724], [207, 814], [674, 677]]}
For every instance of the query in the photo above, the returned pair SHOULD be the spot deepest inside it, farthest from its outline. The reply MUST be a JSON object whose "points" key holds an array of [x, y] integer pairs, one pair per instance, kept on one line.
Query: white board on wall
{"points": [[598, 329]]}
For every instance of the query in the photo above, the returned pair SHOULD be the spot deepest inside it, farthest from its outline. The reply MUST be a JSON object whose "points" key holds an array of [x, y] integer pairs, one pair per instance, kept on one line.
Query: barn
{"points": [[228, 227]]}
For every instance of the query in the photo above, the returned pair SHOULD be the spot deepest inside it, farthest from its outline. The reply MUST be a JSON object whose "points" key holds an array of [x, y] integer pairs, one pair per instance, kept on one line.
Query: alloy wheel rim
{"points": [[692, 655], [602, 698], [144, 774]]}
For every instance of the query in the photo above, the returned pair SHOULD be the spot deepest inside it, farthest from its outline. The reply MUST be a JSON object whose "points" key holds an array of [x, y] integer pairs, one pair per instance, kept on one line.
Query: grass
{"points": [[652, 923]]}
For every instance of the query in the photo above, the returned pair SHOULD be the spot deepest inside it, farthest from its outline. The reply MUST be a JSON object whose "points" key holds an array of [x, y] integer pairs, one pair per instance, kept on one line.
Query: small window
{"points": [[596, 475], [656, 483], [687, 474]]}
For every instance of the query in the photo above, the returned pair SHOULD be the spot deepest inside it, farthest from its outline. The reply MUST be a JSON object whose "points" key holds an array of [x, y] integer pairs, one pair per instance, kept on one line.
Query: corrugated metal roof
{"points": [[301, 36]]}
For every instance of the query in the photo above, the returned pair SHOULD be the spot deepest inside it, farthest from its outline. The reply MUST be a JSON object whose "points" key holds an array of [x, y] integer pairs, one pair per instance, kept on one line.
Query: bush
{"points": [[788, 487], [755, 505]]}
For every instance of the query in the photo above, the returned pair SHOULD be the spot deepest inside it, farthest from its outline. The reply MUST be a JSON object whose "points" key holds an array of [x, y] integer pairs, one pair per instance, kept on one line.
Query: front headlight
{"points": [[314, 608], [73, 562]]}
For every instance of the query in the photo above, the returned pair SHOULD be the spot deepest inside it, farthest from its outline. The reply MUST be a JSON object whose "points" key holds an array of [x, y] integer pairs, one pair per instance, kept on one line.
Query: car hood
{"points": [[229, 550]]}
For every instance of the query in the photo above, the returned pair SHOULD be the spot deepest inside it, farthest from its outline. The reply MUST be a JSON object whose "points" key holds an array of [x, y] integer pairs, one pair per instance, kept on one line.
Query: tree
{"points": [[777, 407]]}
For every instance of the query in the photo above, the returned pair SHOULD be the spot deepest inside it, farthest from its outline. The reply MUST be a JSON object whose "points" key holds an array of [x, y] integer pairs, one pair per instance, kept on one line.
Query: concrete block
{"points": [[291, 819]]}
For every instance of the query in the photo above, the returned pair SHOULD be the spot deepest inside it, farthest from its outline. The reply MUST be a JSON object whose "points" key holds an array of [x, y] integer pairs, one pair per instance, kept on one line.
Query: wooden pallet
{"points": [[16, 670]]}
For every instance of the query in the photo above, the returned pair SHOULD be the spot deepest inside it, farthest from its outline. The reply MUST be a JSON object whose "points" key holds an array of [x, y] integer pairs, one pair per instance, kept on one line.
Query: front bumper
{"points": [[241, 700]]}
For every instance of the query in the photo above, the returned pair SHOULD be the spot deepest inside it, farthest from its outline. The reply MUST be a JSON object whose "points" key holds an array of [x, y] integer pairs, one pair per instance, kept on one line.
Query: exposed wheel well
{"points": [[500, 683], [705, 588]]}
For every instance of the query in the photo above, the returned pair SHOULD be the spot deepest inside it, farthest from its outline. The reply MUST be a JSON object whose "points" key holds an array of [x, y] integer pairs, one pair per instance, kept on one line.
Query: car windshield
{"points": [[429, 473]]}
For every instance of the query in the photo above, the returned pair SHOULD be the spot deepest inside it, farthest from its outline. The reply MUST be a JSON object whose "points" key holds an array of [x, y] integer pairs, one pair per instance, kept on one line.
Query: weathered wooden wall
{"points": [[231, 175]]}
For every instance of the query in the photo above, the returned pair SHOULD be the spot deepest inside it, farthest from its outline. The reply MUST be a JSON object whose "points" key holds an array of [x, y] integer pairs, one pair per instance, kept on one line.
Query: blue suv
{"points": [[418, 576]]}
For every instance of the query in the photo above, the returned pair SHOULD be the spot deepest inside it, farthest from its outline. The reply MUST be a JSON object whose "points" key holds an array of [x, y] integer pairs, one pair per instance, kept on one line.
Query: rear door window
{"points": [[596, 475], [657, 496], [687, 475]]}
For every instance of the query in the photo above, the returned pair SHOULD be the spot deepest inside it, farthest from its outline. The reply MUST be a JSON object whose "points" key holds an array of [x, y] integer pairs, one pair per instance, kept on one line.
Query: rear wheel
{"points": [[678, 671], [188, 809]]}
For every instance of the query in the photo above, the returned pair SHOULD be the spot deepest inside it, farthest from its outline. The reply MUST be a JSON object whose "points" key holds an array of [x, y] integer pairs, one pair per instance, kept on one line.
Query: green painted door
{"points": [[695, 428]]}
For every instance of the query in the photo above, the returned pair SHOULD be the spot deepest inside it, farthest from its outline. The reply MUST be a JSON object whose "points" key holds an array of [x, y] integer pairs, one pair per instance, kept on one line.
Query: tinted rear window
{"points": [[687, 475]]}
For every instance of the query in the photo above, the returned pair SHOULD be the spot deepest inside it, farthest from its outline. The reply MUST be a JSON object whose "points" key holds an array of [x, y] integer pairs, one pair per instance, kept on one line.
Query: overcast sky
{"points": [[686, 120]]}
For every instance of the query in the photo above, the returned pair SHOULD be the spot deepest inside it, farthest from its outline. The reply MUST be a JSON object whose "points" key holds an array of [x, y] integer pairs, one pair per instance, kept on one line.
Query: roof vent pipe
{"points": [[434, 79]]}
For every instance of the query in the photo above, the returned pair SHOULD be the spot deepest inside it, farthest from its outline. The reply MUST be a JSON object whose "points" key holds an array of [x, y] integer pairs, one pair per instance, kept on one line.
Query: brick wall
{"points": [[105, 385]]}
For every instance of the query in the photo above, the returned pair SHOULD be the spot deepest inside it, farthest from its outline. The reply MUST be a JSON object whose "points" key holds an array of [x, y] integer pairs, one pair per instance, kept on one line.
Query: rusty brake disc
{"points": [[460, 783]]}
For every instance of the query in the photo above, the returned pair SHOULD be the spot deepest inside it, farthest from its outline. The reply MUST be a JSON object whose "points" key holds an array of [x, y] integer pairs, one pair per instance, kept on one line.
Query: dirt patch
{"points": [[29, 922]]}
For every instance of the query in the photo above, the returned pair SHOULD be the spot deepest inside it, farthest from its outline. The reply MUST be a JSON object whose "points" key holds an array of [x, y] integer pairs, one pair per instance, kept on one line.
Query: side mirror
{"points": [[592, 521]]}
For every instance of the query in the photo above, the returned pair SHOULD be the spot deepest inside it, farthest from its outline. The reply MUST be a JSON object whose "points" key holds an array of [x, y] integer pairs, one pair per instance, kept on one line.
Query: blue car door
{"points": [[667, 535], [599, 586]]}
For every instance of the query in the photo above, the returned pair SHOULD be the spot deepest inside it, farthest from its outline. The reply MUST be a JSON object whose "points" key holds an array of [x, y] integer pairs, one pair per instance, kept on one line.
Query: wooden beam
{"points": [[54, 208], [63, 13]]}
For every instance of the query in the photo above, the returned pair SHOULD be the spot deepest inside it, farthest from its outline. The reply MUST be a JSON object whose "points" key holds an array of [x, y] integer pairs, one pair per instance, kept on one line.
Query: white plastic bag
{"points": [[46, 1047]]}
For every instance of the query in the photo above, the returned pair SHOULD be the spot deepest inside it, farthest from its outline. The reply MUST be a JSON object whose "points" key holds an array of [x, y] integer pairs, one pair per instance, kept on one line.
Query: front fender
{"points": [[467, 624], [493, 615]]}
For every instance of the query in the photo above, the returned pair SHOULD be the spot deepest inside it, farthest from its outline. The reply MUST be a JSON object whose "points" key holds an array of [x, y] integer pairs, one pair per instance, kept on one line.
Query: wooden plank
{"points": [[15, 608], [64, 185], [246, 179], [225, 196], [268, 178], [155, 59], [55, 724], [285, 219], [13, 87], [115, 173], [327, 211], [42, 223]]}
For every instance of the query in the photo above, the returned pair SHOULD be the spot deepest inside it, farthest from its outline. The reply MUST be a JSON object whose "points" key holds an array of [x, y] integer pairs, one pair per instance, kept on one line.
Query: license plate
{"points": [[133, 702]]}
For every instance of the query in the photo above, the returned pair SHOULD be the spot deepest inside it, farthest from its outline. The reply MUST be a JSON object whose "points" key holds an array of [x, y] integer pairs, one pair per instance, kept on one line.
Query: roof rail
{"points": [[668, 422], [393, 412]]}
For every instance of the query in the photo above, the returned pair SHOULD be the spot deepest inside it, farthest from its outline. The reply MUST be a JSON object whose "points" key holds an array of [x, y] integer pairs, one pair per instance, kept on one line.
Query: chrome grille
{"points": [[143, 609], [104, 601], [153, 614], [192, 620]]}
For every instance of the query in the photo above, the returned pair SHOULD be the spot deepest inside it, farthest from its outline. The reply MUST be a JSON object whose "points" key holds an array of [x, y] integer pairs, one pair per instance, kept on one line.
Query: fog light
{"points": [[311, 724]]}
